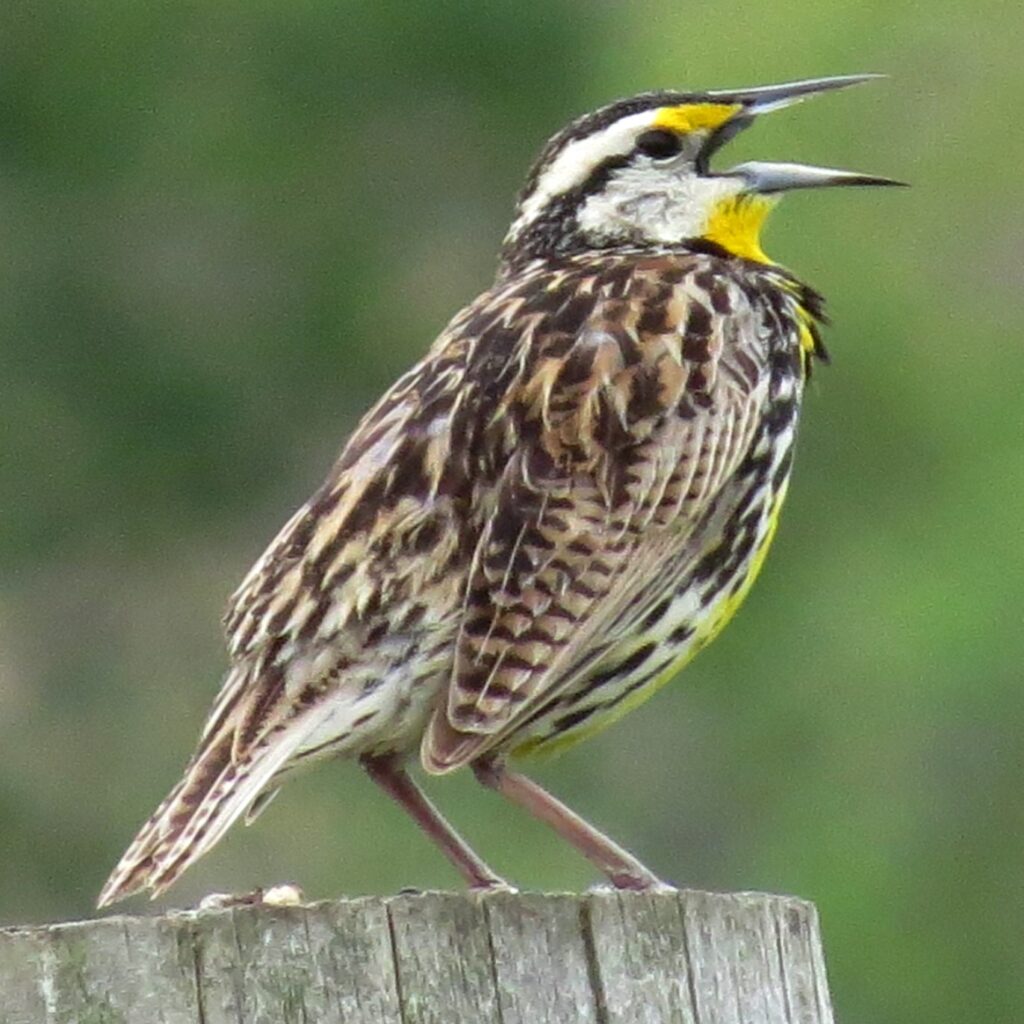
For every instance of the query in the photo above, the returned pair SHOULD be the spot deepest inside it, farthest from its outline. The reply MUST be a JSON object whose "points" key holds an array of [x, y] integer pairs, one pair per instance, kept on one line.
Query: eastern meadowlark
{"points": [[551, 513]]}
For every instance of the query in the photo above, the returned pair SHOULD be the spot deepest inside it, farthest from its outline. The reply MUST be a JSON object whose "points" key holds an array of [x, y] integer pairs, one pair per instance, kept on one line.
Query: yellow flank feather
{"points": [[693, 117], [806, 339], [549, 745], [807, 345], [736, 222]]}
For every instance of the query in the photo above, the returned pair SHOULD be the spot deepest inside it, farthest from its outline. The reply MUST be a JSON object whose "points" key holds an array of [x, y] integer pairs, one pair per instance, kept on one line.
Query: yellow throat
{"points": [[736, 222]]}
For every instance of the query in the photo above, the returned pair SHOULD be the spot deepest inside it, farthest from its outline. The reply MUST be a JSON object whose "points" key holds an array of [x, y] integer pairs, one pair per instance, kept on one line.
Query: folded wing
{"points": [[625, 441]]}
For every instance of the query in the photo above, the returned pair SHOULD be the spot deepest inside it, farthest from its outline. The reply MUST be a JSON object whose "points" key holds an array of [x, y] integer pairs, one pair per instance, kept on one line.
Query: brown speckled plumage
{"points": [[554, 509]]}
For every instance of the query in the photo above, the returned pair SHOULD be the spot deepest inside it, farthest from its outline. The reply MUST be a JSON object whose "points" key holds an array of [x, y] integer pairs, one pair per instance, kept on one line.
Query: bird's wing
{"points": [[363, 551], [625, 440]]}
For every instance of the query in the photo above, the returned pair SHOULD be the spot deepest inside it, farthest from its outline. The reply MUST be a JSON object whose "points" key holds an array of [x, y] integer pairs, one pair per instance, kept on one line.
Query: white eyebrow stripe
{"points": [[577, 161]]}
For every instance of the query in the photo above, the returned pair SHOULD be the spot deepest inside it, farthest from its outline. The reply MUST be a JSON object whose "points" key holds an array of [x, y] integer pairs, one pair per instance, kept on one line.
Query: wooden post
{"points": [[435, 958]]}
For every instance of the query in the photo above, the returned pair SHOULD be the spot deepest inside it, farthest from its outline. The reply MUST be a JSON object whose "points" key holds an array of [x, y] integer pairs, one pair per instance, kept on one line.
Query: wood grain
{"points": [[432, 958]]}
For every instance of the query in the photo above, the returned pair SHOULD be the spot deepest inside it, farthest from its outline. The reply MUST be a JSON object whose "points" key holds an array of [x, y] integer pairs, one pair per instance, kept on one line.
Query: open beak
{"points": [[766, 98], [766, 177]]}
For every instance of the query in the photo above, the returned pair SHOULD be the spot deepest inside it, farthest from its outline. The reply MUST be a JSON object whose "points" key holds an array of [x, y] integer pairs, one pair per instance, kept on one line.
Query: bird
{"points": [[543, 520]]}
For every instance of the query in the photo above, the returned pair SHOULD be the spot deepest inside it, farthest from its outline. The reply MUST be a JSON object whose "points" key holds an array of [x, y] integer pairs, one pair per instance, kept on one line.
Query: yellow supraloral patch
{"points": [[693, 117]]}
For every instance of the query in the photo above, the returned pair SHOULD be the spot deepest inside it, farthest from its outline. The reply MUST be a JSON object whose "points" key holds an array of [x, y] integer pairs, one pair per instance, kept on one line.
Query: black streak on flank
{"points": [[566, 722], [622, 668]]}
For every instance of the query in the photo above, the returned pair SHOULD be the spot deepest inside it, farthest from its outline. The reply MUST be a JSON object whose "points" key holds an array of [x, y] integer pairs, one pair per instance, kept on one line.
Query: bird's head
{"points": [[637, 173]]}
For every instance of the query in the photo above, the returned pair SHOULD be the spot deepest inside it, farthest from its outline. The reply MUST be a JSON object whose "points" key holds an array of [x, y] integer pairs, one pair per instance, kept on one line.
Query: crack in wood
{"points": [[432, 958]]}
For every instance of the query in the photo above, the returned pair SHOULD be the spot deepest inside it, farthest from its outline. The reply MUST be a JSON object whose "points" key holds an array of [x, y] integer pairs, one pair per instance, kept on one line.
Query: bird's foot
{"points": [[490, 886], [629, 882]]}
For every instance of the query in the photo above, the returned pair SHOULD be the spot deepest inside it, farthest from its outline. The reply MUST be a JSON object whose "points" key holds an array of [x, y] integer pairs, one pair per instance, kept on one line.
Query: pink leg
{"points": [[392, 777], [624, 870]]}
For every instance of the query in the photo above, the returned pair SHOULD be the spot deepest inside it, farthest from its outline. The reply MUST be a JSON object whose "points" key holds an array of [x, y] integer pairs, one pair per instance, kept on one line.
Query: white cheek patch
{"points": [[578, 160], [668, 208]]}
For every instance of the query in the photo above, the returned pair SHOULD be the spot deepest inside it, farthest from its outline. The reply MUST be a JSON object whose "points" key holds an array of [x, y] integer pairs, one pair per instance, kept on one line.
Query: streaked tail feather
{"points": [[215, 791], [147, 852]]}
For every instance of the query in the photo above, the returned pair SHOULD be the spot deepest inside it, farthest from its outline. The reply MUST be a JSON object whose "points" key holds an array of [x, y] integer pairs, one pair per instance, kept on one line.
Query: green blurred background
{"points": [[226, 227]]}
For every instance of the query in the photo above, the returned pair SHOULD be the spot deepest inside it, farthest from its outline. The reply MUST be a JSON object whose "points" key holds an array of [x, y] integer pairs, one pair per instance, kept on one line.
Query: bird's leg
{"points": [[392, 777], [624, 870]]}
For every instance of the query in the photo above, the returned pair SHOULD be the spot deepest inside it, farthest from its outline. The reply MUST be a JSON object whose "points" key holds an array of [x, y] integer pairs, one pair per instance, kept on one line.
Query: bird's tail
{"points": [[218, 786]]}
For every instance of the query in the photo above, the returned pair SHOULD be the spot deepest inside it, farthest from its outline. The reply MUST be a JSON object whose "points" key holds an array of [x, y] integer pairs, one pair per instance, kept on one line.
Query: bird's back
{"points": [[579, 420], [648, 451]]}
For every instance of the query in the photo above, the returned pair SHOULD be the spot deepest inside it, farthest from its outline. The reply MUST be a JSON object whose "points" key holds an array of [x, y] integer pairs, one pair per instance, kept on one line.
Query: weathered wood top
{"points": [[607, 958]]}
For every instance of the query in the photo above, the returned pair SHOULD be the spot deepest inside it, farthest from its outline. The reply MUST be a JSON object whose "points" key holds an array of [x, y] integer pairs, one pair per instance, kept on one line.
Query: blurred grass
{"points": [[224, 228]]}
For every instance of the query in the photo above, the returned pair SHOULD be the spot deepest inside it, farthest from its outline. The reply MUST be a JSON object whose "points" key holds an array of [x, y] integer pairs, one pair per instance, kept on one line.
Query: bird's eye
{"points": [[659, 144]]}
